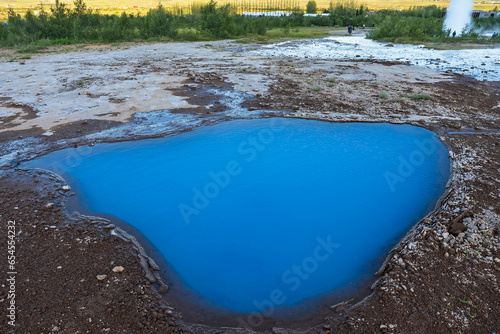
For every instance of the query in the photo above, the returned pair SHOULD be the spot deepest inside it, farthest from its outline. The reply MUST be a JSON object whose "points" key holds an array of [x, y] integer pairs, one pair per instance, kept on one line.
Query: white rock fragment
{"points": [[118, 269]]}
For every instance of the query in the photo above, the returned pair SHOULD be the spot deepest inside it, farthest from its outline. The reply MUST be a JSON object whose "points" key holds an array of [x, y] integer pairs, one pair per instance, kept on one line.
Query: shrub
{"points": [[311, 7], [158, 22], [217, 20], [394, 28]]}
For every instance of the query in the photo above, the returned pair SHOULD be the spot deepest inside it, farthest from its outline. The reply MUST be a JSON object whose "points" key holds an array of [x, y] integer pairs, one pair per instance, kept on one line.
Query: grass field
{"points": [[142, 6]]}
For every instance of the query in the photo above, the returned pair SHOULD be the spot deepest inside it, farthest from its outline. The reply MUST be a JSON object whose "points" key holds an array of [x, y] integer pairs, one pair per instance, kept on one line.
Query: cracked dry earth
{"points": [[441, 278]]}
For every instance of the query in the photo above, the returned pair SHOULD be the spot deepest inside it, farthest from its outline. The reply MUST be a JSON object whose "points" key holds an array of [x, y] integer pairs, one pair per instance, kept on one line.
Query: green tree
{"points": [[217, 20], [80, 7], [311, 7]]}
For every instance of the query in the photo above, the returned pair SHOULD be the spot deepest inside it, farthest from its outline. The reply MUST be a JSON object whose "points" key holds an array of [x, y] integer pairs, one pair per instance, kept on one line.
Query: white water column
{"points": [[458, 16]]}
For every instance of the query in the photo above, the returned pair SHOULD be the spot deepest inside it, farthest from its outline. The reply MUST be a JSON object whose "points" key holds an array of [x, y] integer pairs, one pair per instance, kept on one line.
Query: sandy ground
{"points": [[443, 277]]}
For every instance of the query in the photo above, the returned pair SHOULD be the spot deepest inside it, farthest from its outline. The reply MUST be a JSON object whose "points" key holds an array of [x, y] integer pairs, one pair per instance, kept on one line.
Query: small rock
{"points": [[101, 277], [66, 188], [472, 227], [118, 269], [383, 326], [497, 260], [48, 206], [456, 228]]}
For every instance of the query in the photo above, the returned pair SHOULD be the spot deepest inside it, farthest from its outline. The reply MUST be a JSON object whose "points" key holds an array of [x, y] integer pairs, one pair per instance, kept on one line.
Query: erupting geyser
{"points": [[458, 16]]}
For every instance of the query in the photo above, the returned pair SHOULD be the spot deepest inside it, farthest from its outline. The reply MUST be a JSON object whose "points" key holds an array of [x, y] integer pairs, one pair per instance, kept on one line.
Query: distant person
{"points": [[495, 35], [454, 34], [363, 26]]}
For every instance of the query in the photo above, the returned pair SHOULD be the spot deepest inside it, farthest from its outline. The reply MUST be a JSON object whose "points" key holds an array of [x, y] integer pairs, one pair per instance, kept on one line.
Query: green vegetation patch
{"points": [[418, 97], [61, 24]]}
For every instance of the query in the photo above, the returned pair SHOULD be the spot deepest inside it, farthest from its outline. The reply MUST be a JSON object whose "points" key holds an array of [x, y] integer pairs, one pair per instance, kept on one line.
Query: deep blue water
{"points": [[254, 212]]}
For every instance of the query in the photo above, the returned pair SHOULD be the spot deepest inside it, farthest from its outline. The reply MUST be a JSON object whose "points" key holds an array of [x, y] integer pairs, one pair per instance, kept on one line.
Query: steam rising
{"points": [[458, 16]]}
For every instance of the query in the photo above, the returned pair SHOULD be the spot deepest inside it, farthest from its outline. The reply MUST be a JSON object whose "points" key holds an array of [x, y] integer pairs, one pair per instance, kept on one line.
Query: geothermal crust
{"points": [[85, 274]]}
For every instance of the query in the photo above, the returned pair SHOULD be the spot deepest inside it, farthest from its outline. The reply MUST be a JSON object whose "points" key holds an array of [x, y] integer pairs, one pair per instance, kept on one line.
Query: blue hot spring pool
{"points": [[271, 212]]}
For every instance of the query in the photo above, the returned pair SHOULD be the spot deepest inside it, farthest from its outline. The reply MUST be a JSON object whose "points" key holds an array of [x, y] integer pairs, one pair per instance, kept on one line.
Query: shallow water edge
{"points": [[305, 316]]}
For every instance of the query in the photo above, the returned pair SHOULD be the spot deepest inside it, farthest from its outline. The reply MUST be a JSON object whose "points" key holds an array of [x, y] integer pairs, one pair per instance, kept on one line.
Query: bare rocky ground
{"points": [[441, 278]]}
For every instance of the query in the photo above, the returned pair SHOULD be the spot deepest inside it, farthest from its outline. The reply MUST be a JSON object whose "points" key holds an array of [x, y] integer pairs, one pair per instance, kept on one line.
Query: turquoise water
{"points": [[255, 214]]}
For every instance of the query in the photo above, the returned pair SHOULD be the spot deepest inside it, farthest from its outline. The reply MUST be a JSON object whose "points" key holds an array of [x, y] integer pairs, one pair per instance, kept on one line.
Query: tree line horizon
{"points": [[62, 24]]}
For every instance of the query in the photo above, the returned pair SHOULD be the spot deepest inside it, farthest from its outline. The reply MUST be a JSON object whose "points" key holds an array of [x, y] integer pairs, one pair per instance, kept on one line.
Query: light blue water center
{"points": [[271, 210]]}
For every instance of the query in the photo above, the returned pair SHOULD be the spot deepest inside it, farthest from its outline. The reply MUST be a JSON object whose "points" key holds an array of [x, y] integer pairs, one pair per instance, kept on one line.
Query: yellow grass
{"points": [[119, 6]]}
